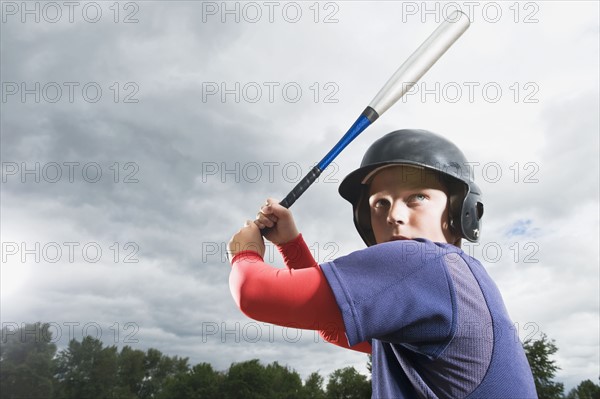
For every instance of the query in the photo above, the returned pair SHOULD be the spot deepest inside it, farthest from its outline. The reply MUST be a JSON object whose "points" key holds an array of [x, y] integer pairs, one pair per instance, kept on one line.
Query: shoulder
{"points": [[393, 261], [418, 250]]}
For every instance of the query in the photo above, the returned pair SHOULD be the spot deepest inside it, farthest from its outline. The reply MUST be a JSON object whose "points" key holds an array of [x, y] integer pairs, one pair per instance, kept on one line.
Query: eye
{"points": [[417, 198], [380, 203]]}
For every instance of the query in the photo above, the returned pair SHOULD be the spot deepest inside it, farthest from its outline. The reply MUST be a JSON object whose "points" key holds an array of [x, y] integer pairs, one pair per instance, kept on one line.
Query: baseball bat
{"points": [[401, 81]]}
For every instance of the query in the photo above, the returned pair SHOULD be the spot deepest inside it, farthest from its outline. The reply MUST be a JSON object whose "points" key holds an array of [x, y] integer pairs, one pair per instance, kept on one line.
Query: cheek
{"points": [[378, 220], [433, 217], [380, 229], [441, 218]]}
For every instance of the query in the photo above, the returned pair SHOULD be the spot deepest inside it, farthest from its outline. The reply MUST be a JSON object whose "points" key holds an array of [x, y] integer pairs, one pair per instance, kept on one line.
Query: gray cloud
{"points": [[204, 165]]}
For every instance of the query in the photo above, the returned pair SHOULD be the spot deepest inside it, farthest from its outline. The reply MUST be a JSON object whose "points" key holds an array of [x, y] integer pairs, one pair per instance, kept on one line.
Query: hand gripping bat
{"points": [[401, 81]]}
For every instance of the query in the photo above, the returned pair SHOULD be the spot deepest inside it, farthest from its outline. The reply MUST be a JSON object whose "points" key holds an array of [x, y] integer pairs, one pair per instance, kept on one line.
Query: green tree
{"points": [[313, 387], [347, 383], [284, 383], [585, 390], [543, 367], [87, 370], [202, 381], [130, 373], [246, 380], [26, 353], [159, 368], [251, 379]]}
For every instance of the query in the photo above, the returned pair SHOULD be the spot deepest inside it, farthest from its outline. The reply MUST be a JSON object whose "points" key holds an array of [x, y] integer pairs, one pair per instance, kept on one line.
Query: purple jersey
{"points": [[435, 319]]}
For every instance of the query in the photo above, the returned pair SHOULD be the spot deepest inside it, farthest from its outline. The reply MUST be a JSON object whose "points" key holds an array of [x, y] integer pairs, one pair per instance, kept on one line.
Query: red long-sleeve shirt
{"points": [[298, 296]]}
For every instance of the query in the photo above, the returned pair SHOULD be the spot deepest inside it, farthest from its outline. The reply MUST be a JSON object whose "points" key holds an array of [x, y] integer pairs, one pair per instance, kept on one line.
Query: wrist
{"points": [[291, 239], [296, 254], [246, 255]]}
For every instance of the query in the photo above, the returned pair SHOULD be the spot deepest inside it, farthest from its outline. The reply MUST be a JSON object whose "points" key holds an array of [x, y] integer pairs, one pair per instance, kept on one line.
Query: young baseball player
{"points": [[429, 314]]}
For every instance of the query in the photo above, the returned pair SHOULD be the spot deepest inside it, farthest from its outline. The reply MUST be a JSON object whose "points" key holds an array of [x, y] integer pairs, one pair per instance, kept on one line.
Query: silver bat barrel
{"points": [[420, 61]]}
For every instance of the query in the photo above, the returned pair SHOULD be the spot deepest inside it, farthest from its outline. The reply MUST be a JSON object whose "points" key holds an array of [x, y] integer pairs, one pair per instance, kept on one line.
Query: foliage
{"points": [[543, 367], [347, 383], [201, 381], [30, 367], [585, 390], [26, 366], [87, 370], [313, 387]]}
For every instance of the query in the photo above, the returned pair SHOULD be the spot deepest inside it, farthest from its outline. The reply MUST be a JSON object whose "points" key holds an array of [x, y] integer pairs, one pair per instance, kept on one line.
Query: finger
{"points": [[259, 223], [271, 212], [268, 206], [276, 210], [265, 220], [266, 209], [264, 213]]}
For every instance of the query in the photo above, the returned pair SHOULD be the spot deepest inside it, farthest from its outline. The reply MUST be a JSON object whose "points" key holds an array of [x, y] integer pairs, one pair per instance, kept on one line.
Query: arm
{"points": [[299, 297], [296, 254]]}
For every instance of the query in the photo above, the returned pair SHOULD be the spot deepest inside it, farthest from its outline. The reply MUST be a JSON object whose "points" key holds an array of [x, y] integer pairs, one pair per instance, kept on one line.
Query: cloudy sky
{"points": [[138, 136]]}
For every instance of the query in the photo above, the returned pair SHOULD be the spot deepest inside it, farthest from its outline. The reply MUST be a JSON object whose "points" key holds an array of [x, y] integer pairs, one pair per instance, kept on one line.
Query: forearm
{"points": [[296, 254]]}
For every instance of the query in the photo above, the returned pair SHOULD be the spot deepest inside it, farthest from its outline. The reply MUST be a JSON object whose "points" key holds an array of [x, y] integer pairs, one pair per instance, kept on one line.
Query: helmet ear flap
{"points": [[456, 191], [472, 211], [362, 217]]}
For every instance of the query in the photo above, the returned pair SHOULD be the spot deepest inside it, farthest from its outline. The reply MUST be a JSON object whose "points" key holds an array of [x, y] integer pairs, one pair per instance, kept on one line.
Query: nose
{"points": [[398, 213]]}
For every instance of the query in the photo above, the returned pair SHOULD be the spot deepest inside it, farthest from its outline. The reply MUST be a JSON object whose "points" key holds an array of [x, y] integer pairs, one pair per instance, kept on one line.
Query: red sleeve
{"points": [[296, 254], [298, 298]]}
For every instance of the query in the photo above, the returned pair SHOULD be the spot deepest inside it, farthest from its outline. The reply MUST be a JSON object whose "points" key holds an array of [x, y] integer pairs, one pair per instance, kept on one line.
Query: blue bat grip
{"points": [[368, 116], [361, 124]]}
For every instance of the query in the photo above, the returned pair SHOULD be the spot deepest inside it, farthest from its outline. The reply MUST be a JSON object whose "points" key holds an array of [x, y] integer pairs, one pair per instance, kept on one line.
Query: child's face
{"points": [[409, 203]]}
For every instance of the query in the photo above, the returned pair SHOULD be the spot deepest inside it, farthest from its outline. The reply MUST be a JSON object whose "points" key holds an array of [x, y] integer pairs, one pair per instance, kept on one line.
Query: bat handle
{"points": [[301, 187], [297, 191]]}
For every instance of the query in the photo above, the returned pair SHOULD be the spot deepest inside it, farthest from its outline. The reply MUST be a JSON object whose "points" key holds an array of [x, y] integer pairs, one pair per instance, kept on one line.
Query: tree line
{"points": [[31, 367]]}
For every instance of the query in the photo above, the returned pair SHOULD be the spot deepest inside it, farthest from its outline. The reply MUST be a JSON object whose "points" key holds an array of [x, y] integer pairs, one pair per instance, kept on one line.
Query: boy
{"points": [[429, 314]]}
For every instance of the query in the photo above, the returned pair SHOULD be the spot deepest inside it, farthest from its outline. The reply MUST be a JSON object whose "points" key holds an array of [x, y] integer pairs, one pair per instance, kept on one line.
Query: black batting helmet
{"points": [[425, 150]]}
